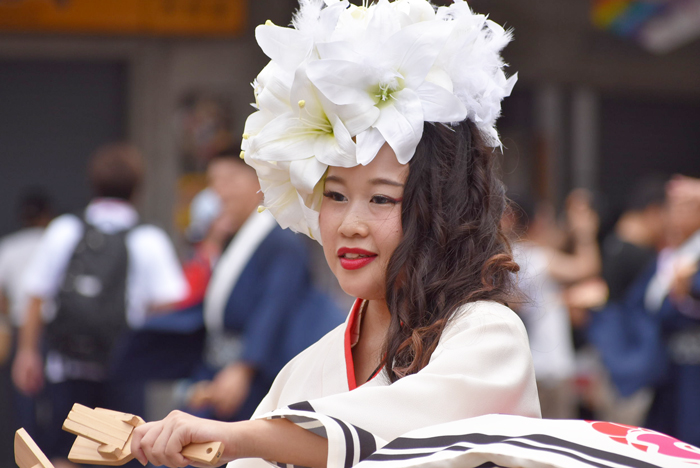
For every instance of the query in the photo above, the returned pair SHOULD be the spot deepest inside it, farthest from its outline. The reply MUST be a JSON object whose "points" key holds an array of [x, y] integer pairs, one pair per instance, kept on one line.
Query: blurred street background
{"points": [[605, 113]]}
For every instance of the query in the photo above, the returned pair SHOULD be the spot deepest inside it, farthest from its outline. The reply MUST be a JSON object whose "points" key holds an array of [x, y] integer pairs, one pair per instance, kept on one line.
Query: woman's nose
{"points": [[354, 224]]}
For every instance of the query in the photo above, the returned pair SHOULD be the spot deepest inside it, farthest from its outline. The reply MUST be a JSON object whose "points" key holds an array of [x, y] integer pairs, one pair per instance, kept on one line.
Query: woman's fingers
{"points": [[137, 442], [158, 455], [161, 442], [149, 440], [180, 437]]}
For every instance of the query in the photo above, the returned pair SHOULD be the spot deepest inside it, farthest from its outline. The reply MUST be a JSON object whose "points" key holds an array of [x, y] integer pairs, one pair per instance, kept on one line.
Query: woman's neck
{"points": [[378, 316], [368, 351]]}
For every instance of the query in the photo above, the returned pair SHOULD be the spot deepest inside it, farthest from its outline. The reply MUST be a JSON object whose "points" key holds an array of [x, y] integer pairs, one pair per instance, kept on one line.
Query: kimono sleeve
{"points": [[347, 443], [481, 366]]}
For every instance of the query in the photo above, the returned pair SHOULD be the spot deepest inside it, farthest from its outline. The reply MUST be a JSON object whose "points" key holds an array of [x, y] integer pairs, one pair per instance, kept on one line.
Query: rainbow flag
{"points": [[658, 25]]}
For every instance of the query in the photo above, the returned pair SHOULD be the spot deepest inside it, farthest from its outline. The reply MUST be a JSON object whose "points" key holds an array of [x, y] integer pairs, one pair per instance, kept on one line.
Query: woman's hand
{"points": [[161, 442]]}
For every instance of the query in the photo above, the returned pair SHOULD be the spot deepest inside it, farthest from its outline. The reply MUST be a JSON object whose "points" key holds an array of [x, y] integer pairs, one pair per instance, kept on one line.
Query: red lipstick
{"points": [[358, 258]]}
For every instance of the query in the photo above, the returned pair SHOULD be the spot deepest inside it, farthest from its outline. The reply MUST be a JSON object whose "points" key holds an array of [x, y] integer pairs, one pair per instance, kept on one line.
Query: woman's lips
{"points": [[353, 259]]}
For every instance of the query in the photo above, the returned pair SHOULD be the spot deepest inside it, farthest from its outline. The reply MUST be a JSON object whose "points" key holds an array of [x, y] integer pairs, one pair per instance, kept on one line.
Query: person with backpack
{"points": [[105, 271]]}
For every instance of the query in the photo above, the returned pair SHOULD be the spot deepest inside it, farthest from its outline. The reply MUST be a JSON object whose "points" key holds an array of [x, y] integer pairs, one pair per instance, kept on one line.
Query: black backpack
{"points": [[91, 304]]}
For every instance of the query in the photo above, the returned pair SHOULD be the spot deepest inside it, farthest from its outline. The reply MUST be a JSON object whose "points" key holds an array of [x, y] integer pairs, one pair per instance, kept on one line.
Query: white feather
{"points": [[306, 17]]}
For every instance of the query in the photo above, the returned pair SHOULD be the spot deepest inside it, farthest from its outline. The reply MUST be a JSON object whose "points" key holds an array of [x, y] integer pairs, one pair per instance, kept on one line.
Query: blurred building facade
{"points": [[590, 110], [64, 94]]}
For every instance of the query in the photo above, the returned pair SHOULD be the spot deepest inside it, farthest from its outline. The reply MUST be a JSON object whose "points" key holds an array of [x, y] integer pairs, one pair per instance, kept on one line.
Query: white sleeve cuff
{"points": [[347, 444]]}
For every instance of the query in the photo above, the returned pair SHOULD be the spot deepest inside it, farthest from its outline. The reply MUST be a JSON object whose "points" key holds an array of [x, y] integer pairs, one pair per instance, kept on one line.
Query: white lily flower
{"points": [[290, 47], [362, 29], [416, 11], [271, 89], [310, 128], [392, 80], [292, 208], [286, 47]]}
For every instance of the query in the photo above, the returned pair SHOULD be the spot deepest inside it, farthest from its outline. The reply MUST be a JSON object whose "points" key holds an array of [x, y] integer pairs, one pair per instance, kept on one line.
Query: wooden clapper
{"points": [[27, 453], [104, 438]]}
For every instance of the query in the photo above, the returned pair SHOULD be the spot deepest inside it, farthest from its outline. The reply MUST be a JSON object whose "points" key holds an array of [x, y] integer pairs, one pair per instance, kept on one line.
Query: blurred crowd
{"points": [[613, 315]]}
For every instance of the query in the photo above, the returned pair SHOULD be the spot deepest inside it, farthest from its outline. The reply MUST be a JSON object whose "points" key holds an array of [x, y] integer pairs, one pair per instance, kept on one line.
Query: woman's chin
{"points": [[362, 291], [367, 282]]}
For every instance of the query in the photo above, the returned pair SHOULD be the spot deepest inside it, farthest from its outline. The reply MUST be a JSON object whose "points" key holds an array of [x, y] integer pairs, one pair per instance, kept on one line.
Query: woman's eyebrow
{"points": [[381, 181], [332, 178]]}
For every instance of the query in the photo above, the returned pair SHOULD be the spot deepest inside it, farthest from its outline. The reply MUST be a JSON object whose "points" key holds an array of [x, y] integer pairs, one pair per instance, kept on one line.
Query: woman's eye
{"points": [[384, 200], [335, 196]]}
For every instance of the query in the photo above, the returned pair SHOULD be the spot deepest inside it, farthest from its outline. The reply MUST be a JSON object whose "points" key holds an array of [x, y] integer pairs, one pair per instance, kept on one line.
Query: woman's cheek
{"points": [[327, 236]]}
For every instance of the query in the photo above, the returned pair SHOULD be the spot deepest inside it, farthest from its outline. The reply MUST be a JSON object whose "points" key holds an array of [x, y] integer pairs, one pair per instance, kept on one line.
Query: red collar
{"points": [[352, 336]]}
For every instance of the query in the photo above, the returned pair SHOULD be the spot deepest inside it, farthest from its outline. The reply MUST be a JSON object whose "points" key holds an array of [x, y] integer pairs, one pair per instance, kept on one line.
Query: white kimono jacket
{"points": [[482, 365], [441, 416]]}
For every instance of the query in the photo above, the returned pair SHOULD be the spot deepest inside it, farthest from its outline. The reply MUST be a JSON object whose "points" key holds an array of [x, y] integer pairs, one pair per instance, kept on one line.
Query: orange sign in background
{"points": [[140, 17]]}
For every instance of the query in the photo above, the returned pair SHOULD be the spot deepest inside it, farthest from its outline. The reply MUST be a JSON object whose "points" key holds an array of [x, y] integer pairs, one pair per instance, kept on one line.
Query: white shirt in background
{"points": [[154, 274], [545, 315], [15, 251]]}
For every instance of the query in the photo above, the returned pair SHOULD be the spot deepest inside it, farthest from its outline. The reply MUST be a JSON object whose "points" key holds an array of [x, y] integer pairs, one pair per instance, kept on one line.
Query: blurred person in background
{"points": [[15, 249], [261, 307], [209, 232], [682, 188], [106, 271], [544, 271], [685, 287], [34, 214], [651, 337], [636, 238]]}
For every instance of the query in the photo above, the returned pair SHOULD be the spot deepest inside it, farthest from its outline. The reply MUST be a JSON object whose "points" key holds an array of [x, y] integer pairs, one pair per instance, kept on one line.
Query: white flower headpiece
{"points": [[345, 79]]}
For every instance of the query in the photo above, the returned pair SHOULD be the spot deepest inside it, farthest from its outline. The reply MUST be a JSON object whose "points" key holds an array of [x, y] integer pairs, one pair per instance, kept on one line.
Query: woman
{"points": [[384, 247], [407, 207]]}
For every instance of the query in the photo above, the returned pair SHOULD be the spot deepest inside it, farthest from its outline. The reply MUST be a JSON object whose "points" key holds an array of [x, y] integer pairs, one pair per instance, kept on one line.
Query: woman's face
{"points": [[237, 186], [361, 222]]}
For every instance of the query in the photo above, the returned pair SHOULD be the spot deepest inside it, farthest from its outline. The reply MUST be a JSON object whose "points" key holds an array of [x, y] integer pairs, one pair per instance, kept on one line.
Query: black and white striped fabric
{"points": [[347, 445], [497, 441]]}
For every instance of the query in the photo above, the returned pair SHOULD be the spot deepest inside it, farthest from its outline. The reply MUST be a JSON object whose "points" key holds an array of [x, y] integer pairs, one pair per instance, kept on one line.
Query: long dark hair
{"points": [[453, 250]]}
